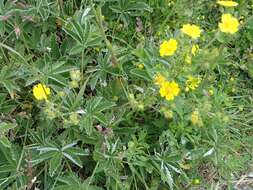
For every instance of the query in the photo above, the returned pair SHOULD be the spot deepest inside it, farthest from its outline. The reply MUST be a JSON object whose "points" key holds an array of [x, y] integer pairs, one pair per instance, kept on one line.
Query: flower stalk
{"points": [[99, 21]]}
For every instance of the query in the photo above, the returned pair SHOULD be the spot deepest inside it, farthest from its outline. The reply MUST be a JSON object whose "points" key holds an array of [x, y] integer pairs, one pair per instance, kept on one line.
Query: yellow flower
{"points": [[74, 84], [196, 119], [140, 66], [191, 30], [188, 59], [229, 24], [232, 79], [192, 83], [196, 181], [75, 75], [227, 3], [61, 94], [194, 49], [241, 108], [40, 91], [169, 90], [159, 79], [74, 118], [211, 92], [168, 48], [168, 114]]}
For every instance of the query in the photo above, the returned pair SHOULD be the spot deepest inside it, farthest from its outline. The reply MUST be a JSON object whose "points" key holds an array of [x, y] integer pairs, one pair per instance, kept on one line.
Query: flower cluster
{"points": [[196, 119], [229, 24], [168, 89], [194, 49], [192, 83], [75, 76]]}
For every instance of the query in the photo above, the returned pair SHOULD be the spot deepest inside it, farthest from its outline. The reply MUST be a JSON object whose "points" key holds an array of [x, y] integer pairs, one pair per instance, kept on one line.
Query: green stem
{"points": [[98, 16], [212, 41], [82, 66], [93, 173], [23, 150], [60, 4]]}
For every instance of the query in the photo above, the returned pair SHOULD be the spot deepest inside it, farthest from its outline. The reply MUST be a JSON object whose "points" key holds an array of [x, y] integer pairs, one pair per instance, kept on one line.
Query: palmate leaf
{"points": [[79, 98], [5, 141], [8, 77], [97, 105], [129, 8], [74, 159], [8, 156], [87, 124], [42, 157], [141, 74], [102, 70], [166, 175], [139, 6], [77, 49], [5, 127], [85, 35], [101, 118], [47, 70], [72, 181], [73, 153], [6, 168], [78, 187], [126, 6], [94, 109], [6, 106], [55, 163], [55, 156]]}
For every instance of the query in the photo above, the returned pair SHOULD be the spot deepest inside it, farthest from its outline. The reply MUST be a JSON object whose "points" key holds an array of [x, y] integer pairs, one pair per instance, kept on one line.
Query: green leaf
{"points": [[6, 168], [249, 24], [43, 157], [5, 127], [78, 30], [7, 79], [78, 187], [104, 105], [93, 81], [87, 124], [166, 176], [68, 146], [101, 117], [94, 107], [77, 151], [139, 6], [74, 159], [5, 141], [141, 74], [79, 97], [6, 106], [93, 103], [77, 49], [54, 163]]}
